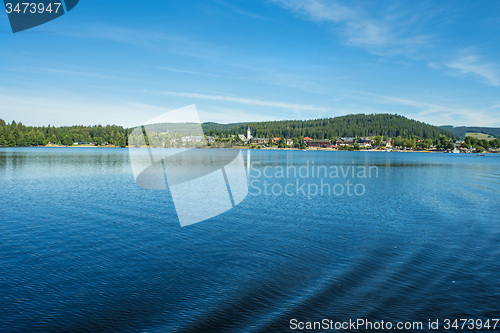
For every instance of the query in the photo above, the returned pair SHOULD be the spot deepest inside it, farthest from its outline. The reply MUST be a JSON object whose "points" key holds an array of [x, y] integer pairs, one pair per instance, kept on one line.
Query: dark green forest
{"points": [[17, 134], [359, 125]]}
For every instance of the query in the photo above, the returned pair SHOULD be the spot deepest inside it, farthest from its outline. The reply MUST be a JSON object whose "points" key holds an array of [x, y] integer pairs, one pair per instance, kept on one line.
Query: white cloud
{"points": [[75, 73], [149, 39], [359, 31], [382, 35], [231, 5], [439, 114], [60, 71], [242, 100], [74, 110], [261, 75], [183, 71], [473, 65], [225, 115], [389, 33], [320, 10]]}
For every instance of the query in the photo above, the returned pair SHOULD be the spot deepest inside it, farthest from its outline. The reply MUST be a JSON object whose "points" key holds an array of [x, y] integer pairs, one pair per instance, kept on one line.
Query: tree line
{"points": [[16, 134], [404, 132], [481, 144]]}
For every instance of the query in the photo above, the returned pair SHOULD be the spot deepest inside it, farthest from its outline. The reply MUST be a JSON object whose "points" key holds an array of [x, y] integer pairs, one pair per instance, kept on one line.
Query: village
{"points": [[377, 143]]}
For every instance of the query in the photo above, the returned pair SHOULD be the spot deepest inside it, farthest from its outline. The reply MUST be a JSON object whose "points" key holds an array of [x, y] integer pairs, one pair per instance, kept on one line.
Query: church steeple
{"points": [[249, 134]]}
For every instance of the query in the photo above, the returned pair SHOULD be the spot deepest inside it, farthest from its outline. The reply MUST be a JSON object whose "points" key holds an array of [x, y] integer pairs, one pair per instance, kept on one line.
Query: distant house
{"points": [[259, 141], [345, 141], [210, 139], [307, 138], [365, 142], [386, 143], [319, 143], [289, 142]]}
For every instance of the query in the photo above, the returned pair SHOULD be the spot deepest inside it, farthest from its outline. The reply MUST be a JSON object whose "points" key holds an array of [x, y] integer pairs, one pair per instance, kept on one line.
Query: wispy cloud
{"points": [[73, 109], [225, 115], [394, 31], [242, 100], [473, 65], [75, 73], [359, 30], [183, 71], [60, 72], [261, 75], [149, 39], [381, 35], [438, 113], [230, 5]]}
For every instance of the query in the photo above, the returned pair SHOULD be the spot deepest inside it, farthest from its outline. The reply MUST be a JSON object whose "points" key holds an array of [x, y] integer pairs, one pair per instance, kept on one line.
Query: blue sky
{"points": [[124, 62]]}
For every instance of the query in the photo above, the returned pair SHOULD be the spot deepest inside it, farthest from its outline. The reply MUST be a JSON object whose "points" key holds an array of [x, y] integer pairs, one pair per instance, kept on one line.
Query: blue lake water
{"points": [[84, 249]]}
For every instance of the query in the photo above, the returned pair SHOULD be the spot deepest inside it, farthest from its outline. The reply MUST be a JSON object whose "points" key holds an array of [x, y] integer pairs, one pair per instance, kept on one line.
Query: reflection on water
{"points": [[85, 249]]}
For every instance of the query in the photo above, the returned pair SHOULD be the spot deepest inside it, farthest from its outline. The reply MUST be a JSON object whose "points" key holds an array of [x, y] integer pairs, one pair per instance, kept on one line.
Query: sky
{"points": [[124, 62]]}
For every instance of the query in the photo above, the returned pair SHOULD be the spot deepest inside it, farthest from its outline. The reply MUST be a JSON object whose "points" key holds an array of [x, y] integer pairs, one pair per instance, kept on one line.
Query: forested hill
{"points": [[461, 131], [359, 125]]}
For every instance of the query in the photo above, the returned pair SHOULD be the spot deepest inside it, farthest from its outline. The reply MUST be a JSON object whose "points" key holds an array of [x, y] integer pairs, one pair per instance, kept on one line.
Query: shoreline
{"points": [[281, 149]]}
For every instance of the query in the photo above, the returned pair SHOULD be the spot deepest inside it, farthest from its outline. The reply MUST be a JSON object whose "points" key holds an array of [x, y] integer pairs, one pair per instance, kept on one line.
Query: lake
{"points": [[336, 235]]}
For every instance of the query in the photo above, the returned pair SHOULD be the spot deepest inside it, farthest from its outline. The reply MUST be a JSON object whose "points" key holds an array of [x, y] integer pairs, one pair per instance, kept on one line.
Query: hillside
{"points": [[359, 125], [462, 130]]}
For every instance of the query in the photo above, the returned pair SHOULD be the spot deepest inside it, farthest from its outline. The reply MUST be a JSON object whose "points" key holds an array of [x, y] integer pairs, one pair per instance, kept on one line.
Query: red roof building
{"points": [[319, 143]]}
